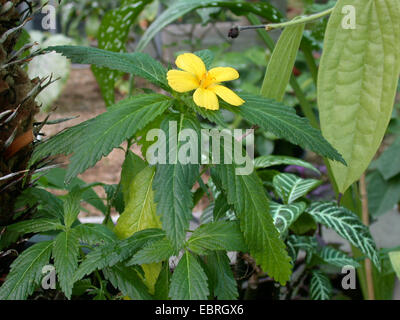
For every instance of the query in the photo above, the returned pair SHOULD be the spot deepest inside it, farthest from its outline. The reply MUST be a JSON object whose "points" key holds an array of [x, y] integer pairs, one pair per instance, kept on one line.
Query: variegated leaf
{"points": [[285, 215]]}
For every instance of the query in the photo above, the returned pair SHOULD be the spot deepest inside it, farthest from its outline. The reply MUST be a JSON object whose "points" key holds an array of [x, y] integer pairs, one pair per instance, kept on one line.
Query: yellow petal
{"points": [[206, 99], [191, 63], [221, 74], [228, 95], [182, 81]]}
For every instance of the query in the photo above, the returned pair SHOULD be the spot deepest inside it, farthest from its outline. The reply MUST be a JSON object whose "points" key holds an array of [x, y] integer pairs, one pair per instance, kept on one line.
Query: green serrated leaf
{"points": [[35, 226], [173, 182], [283, 122], [320, 287], [272, 160], [357, 83], [26, 272], [112, 36], [154, 252], [128, 281], [65, 254], [225, 286], [94, 234], [214, 236], [285, 215], [92, 139], [207, 56], [72, 207], [347, 224], [112, 253], [189, 281], [137, 63], [280, 66], [290, 187]]}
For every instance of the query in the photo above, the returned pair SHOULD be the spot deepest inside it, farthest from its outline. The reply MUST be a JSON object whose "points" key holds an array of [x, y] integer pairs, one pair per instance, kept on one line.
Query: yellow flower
{"points": [[207, 83]]}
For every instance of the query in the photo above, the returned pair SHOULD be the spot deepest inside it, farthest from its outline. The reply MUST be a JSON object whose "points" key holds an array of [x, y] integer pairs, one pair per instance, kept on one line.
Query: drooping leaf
{"points": [[26, 272], [173, 182], [137, 63], [225, 287], [114, 252], [280, 66], [320, 288], [112, 36], [182, 7], [357, 83], [283, 122], [92, 139], [65, 254], [128, 281], [347, 224], [285, 215], [140, 214], [290, 187], [246, 194], [189, 280], [273, 160], [337, 258], [216, 236]]}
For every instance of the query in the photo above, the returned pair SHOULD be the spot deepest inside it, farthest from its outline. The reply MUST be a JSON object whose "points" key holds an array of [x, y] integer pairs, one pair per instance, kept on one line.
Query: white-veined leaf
{"points": [[285, 215], [320, 287]]}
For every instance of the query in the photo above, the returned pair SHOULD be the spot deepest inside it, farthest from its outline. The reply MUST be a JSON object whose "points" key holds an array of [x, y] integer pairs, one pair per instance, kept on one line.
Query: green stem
{"points": [[299, 20], [312, 66]]}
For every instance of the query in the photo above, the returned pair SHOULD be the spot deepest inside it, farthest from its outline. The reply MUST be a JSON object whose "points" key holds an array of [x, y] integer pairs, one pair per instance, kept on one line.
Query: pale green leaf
{"points": [[357, 83], [273, 160], [395, 260], [280, 66]]}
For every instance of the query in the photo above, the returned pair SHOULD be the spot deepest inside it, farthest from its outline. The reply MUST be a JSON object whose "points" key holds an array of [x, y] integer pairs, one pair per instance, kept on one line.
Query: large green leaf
{"points": [[225, 286], [283, 121], [273, 160], [112, 36], [94, 234], [173, 182], [110, 254], [65, 254], [128, 281], [357, 83], [153, 252], [26, 272], [92, 139], [215, 236], [280, 66], [285, 215], [347, 224], [290, 187], [189, 280], [182, 7], [137, 63], [246, 194], [320, 288]]}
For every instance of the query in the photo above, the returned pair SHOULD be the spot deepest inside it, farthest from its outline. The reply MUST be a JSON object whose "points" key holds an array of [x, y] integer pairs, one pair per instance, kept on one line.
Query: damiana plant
{"points": [[266, 216]]}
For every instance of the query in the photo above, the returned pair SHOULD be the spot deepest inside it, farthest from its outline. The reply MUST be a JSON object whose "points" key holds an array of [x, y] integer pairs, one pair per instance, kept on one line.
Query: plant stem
{"points": [[365, 220]]}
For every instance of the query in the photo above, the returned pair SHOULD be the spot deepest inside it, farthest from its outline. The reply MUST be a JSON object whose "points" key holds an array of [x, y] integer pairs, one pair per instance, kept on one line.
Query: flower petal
{"points": [[206, 98], [228, 95], [221, 74], [182, 81], [191, 63]]}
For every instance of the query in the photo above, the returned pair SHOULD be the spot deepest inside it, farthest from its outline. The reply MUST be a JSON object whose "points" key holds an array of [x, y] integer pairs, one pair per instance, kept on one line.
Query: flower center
{"points": [[206, 80]]}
